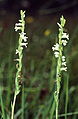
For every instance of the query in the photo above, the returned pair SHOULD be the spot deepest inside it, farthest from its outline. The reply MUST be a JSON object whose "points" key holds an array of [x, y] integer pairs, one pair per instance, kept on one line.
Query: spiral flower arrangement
{"points": [[58, 49], [19, 52]]}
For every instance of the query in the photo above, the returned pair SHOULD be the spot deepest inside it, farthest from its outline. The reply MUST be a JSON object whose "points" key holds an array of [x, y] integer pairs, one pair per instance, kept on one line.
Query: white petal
{"points": [[18, 24], [64, 42], [17, 28], [64, 69], [57, 46], [17, 51], [63, 58], [24, 44], [16, 59], [53, 48], [25, 39], [65, 35], [64, 63], [56, 54]]}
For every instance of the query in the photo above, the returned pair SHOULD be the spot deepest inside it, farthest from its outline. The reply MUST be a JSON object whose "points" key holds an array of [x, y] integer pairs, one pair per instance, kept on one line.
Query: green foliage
{"points": [[36, 97]]}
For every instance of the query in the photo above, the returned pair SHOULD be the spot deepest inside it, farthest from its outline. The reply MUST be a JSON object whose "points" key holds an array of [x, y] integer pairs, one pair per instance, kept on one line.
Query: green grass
{"points": [[36, 100]]}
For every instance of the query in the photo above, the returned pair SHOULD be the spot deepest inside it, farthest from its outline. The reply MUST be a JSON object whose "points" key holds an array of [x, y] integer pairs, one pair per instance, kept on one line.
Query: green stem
{"points": [[58, 77], [13, 107], [57, 111]]}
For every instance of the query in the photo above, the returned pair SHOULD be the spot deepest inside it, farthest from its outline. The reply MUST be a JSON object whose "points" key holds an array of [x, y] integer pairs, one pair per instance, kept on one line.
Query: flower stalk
{"points": [[61, 61], [19, 52]]}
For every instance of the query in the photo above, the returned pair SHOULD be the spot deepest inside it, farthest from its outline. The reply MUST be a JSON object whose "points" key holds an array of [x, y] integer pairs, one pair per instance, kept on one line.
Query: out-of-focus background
{"points": [[39, 65]]}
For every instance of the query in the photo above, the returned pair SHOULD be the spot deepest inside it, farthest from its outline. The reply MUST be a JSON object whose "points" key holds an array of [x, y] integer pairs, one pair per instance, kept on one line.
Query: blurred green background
{"points": [[39, 65]]}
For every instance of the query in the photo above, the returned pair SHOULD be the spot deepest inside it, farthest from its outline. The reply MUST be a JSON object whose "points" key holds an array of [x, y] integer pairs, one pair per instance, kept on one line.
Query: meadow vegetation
{"points": [[31, 77]]}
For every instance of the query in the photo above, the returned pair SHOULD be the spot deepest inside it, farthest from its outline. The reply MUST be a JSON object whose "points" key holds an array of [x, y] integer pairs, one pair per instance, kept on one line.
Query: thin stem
{"points": [[58, 78], [23, 103], [13, 106], [66, 103], [57, 97], [57, 112]]}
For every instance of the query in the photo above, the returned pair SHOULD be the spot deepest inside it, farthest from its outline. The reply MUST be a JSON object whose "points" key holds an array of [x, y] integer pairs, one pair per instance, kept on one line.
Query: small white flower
{"points": [[56, 47], [64, 42], [65, 35], [63, 58], [17, 51], [18, 24], [56, 54], [53, 48], [24, 44], [16, 59], [25, 38], [17, 28], [64, 63], [20, 20], [24, 16], [22, 35], [64, 69]]}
